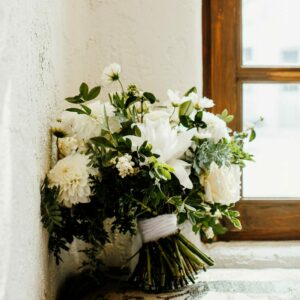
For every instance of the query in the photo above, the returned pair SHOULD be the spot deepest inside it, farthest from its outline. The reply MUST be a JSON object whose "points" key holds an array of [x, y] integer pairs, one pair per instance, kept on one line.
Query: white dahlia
{"points": [[216, 128], [222, 184], [71, 174]]}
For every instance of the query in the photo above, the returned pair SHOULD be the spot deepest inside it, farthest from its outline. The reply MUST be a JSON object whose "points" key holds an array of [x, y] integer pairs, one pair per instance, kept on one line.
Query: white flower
{"points": [[85, 127], [156, 115], [249, 125], [209, 233], [68, 145], [168, 143], [204, 103], [174, 97], [71, 174], [60, 129], [125, 165], [111, 73], [222, 184], [216, 128]]}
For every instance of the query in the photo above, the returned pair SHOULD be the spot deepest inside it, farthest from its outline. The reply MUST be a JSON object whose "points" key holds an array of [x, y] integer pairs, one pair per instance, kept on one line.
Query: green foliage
{"points": [[84, 94]]}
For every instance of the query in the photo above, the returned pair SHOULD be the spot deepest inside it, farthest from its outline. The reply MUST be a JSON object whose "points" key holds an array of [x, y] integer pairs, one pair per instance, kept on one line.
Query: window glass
{"points": [[270, 32], [276, 172]]}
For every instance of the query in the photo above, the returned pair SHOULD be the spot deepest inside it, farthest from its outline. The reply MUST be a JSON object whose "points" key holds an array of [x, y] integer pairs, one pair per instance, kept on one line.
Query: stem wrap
{"points": [[158, 227]]}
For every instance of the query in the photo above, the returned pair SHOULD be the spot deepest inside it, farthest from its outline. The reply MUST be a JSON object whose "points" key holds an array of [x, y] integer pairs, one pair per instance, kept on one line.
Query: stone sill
{"points": [[255, 254]]}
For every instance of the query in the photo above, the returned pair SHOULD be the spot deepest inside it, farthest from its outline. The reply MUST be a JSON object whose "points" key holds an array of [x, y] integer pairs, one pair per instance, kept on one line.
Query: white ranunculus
{"points": [[216, 128], [68, 145], [111, 73], [71, 174], [168, 143], [85, 127], [222, 184]]}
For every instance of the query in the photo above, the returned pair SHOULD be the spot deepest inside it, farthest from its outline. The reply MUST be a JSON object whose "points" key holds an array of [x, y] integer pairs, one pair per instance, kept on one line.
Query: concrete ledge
{"points": [[255, 254], [222, 284]]}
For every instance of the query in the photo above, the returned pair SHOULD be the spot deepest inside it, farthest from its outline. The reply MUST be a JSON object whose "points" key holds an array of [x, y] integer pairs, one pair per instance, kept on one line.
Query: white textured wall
{"points": [[31, 80], [157, 42], [46, 49]]}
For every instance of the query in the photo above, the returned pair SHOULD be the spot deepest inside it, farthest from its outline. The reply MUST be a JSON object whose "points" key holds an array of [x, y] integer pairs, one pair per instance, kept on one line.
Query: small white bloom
{"points": [[125, 165], [222, 184], [60, 129], [68, 145], [209, 233], [174, 97], [217, 214], [216, 127], [204, 103], [249, 125], [111, 73], [71, 174]]}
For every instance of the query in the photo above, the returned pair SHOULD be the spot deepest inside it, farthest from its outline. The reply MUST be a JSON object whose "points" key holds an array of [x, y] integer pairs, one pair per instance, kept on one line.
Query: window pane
{"points": [[270, 32], [276, 172]]}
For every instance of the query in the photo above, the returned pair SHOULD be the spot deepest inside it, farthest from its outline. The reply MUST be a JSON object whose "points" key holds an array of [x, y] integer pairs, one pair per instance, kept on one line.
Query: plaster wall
{"points": [[31, 82]]}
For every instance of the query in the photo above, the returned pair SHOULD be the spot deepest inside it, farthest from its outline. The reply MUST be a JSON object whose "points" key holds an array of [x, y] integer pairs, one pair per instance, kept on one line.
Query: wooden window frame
{"points": [[223, 75]]}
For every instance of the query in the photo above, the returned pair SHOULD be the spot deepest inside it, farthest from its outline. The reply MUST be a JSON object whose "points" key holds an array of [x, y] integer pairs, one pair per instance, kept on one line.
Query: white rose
{"points": [[222, 184]]}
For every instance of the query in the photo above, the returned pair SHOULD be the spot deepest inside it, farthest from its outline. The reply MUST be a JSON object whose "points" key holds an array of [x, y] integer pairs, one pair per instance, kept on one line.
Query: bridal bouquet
{"points": [[150, 165]]}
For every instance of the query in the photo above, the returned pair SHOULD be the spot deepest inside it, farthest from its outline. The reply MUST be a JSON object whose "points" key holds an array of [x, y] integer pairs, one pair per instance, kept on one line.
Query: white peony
{"points": [[68, 146], [85, 127], [216, 128], [71, 174], [111, 73], [222, 184], [168, 143]]}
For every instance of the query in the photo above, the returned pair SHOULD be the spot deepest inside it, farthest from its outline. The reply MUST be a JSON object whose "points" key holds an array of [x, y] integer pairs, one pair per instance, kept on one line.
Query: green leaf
{"points": [[76, 99], [86, 109], [102, 141], [252, 135], [191, 90], [130, 100], [150, 97], [186, 121], [198, 116], [185, 108], [84, 89], [94, 92], [77, 110]]}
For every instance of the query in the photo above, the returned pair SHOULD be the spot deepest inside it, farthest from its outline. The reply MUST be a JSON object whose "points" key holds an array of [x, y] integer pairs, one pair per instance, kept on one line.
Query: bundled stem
{"points": [[169, 263]]}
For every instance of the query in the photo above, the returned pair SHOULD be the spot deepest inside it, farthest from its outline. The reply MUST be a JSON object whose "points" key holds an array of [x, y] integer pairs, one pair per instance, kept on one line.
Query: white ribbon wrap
{"points": [[158, 227]]}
